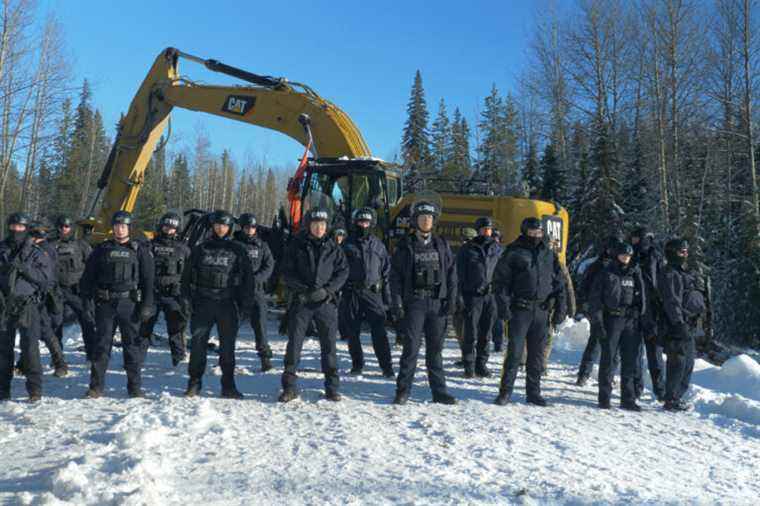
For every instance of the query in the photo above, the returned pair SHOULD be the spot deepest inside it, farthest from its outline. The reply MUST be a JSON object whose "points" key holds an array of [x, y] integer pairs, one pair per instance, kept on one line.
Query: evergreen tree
{"points": [[441, 137], [554, 183], [415, 144], [459, 161]]}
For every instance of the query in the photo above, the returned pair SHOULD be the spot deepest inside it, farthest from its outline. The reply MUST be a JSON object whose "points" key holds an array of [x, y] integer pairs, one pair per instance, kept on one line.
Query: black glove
{"points": [[557, 318], [602, 331], [146, 312], [397, 313], [318, 295], [460, 304], [186, 307], [680, 332]]}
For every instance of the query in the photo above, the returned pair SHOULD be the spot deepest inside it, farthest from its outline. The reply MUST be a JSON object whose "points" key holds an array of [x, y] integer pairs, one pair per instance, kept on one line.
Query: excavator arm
{"points": [[272, 103]]}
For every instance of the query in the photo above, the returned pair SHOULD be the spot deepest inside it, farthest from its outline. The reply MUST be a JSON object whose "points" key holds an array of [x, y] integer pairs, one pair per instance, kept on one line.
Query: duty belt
{"points": [[622, 312], [525, 303], [104, 294], [430, 293], [214, 293], [360, 287], [482, 292]]}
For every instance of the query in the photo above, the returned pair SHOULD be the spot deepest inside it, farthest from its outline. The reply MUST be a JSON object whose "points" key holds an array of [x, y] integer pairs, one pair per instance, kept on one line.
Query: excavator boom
{"points": [[272, 103]]}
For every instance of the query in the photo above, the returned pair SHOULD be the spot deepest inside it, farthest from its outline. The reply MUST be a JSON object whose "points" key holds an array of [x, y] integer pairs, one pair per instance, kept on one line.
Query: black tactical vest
{"points": [[121, 269], [215, 269], [427, 266], [70, 262], [169, 263]]}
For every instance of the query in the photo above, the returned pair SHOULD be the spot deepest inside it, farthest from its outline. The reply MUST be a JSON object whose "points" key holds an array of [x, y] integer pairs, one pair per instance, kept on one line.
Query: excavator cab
{"points": [[352, 184]]}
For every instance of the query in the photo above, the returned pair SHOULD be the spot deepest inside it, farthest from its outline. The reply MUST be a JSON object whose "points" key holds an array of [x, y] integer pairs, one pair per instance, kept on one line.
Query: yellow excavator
{"points": [[337, 162]]}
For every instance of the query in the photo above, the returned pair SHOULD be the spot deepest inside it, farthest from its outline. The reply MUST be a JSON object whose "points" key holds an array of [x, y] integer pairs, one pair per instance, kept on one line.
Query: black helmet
{"points": [[317, 214], [39, 228], [674, 246], [422, 208], [364, 214], [170, 220], [530, 223], [622, 248], [483, 222], [221, 217], [247, 220], [640, 231], [64, 221], [121, 217], [19, 219]]}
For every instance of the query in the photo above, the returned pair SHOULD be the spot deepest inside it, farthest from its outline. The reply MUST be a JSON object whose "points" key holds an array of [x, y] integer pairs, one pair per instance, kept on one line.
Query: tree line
{"points": [[54, 145], [627, 113]]}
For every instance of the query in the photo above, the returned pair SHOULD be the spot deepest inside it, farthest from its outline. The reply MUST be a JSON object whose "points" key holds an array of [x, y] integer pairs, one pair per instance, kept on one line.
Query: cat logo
{"points": [[553, 229], [238, 104]]}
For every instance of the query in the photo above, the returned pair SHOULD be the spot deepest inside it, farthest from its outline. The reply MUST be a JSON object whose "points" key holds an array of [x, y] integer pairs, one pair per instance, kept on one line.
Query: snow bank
{"points": [[738, 375]]}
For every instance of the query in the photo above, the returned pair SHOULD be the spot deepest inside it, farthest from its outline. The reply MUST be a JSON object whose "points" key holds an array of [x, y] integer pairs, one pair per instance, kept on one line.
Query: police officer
{"points": [[617, 304], [527, 276], [367, 292], [24, 275], [51, 305], [314, 271], [476, 263], [423, 293], [219, 281], [170, 257], [72, 256], [339, 235], [649, 260], [683, 303], [119, 278], [262, 265], [585, 287]]}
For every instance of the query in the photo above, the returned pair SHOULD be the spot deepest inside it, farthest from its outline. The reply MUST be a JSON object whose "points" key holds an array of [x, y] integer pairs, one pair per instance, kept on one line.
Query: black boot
{"points": [[287, 395], [193, 388], [93, 393], [333, 396], [232, 393], [135, 393], [482, 371], [581, 381], [5, 395], [605, 404], [444, 398], [266, 362], [35, 396], [503, 398], [356, 371], [469, 372], [537, 400], [630, 406], [388, 373], [402, 396], [61, 370]]}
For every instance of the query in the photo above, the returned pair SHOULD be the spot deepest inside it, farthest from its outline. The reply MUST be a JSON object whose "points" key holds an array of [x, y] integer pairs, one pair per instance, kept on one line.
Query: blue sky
{"points": [[360, 55]]}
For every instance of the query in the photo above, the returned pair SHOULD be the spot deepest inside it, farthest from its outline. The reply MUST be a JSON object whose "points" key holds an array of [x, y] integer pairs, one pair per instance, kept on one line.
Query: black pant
{"points": [[357, 306], [206, 314], [591, 354], [423, 317], [325, 316], [109, 315], [656, 366], [623, 335], [30, 351], [84, 315], [680, 364], [175, 326], [48, 325], [258, 318], [531, 326], [498, 333], [479, 318]]}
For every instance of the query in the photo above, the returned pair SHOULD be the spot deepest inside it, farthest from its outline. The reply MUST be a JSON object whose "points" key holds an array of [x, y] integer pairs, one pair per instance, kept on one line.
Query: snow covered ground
{"points": [[169, 450]]}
